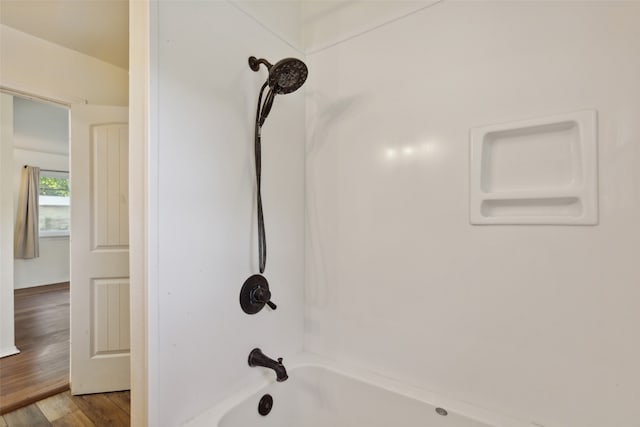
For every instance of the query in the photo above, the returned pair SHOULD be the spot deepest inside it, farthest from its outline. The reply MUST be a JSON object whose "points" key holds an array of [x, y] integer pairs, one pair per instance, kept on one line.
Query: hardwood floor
{"points": [[31, 382], [65, 410], [41, 369]]}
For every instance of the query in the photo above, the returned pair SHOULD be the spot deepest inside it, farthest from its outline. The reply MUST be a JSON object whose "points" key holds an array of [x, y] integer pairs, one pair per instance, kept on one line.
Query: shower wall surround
{"points": [[537, 322], [206, 96]]}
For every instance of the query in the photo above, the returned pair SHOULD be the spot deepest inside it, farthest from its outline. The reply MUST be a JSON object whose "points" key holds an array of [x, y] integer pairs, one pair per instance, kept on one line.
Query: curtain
{"points": [[26, 242]]}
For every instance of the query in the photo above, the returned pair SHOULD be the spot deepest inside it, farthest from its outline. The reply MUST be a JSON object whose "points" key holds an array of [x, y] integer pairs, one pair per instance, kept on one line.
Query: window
{"points": [[55, 214]]}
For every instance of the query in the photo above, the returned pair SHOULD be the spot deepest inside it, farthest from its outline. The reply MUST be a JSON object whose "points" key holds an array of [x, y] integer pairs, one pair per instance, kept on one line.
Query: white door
{"points": [[99, 249]]}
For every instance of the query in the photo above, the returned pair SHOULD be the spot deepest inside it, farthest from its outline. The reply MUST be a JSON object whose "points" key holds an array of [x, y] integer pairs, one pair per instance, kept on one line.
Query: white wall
{"points": [[327, 22], [281, 17], [7, 334], [41, 127], [46, 69], [41, 138], [537, 322], [203, 107]]}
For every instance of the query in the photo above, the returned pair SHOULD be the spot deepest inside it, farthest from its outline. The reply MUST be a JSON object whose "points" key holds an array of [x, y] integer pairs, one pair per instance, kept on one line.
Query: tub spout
{"points": [[258, 358]]}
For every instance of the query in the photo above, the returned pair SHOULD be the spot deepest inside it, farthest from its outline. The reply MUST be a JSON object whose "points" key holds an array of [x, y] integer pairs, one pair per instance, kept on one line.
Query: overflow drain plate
{"points": [[265, 405]]}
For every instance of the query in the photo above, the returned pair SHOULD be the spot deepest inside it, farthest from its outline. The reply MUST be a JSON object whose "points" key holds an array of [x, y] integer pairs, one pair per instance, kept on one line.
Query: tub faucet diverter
{"points": [[258, 358]]}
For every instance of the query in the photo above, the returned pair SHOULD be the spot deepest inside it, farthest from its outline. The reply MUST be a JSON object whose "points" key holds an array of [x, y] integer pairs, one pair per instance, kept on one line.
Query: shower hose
{"points": [[262, 239]]}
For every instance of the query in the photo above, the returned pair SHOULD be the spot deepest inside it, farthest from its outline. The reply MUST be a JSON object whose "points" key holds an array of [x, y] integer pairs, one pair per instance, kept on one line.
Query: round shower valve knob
{"points": [[255, 294]]}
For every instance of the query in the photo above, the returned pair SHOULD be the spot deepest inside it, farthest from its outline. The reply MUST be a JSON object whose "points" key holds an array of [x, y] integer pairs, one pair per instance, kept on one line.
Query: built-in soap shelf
{"points": [[537, 171]]}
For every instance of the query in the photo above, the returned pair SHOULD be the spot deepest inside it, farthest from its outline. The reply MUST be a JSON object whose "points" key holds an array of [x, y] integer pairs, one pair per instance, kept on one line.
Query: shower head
{"points": [[285, 76]]}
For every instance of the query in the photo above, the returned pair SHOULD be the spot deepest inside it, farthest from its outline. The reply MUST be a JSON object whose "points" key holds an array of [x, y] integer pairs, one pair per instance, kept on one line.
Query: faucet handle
{"points": [[263, 296], [280, 360]]}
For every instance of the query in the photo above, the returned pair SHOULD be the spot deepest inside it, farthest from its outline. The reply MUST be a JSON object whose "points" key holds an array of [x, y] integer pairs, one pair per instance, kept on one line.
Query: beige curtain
{"points": [[26, 241]]}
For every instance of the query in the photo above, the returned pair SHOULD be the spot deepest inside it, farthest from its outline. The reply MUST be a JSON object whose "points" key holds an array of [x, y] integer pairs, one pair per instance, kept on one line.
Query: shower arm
{"points": [[254, 63]]}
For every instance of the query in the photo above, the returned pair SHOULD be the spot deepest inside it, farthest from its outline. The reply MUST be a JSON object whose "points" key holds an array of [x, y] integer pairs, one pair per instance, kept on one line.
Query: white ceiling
{"points": [[98, 28]]}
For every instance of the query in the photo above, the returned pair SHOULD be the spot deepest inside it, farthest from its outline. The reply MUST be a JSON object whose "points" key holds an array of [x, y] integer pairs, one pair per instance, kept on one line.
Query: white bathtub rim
{"points": [[212, 416]]}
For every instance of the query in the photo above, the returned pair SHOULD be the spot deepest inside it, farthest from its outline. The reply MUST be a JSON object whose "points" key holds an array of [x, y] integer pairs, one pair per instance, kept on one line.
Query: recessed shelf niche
{"points": [[537, 171]]}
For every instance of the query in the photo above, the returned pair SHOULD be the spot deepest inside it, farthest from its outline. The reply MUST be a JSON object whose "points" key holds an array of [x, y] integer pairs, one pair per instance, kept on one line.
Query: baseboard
{"points": [[41, 283], [9, 352]]}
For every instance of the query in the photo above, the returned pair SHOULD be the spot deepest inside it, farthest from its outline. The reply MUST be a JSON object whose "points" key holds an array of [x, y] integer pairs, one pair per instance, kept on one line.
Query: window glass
{"points": [[54, 215]]}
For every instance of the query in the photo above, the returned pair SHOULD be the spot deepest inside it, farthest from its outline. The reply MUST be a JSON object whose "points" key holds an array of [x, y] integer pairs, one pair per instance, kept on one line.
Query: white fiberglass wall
{"points": [[205, 102], [538, 322]]}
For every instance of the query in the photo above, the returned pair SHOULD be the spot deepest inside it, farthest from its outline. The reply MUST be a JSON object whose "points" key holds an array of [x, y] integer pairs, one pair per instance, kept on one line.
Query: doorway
{"points": [[41, 284], [94, 292]]}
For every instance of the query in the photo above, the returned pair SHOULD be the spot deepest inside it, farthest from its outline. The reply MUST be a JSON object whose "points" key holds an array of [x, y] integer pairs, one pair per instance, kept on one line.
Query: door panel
{"points": [[110, 210], [110, 316], [99, 249]]}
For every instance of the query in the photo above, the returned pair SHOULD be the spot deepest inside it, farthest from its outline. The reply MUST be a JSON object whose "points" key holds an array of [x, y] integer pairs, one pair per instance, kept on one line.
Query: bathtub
{"points": [[320, 393]]}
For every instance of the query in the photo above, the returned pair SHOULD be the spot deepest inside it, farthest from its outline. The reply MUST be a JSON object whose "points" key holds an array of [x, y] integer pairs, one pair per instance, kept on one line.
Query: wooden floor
{"points": [[41, 369], [105, 409]]}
